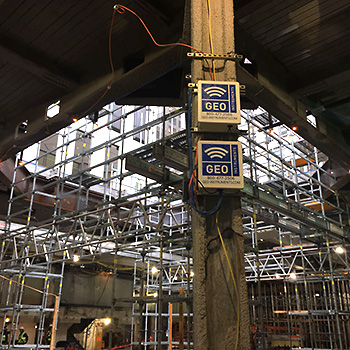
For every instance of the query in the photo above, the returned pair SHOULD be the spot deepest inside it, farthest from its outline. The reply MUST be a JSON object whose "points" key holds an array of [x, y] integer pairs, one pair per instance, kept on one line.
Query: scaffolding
{"points": [[111, 184]]}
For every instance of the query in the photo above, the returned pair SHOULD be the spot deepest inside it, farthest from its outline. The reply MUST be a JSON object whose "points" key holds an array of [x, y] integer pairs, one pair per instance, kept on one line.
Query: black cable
{"points": [[104, 288]]}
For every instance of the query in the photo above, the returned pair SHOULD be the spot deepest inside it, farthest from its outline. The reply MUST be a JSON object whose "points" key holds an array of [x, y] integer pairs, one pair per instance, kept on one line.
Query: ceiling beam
{"points": [[269, 89], [35, 64], [90, 97]]}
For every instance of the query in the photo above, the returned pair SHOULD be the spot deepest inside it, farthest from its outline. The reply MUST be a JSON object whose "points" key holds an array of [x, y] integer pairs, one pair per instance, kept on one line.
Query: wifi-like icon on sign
{"points": [[215, 91], [216, 152]]}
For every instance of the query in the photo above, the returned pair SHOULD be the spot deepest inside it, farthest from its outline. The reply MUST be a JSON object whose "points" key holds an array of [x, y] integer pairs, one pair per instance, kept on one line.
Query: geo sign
{"points": [[219, 102], [220, 164]]}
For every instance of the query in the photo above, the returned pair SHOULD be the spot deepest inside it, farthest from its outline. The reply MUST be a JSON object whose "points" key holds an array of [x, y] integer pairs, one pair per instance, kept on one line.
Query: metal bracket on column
{"points": [[229, 56], [242, 88]]}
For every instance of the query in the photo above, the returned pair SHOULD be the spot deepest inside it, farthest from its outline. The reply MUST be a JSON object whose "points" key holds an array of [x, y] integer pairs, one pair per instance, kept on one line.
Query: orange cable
{"points": [[25, 285], [110, 44], [121, 9]]}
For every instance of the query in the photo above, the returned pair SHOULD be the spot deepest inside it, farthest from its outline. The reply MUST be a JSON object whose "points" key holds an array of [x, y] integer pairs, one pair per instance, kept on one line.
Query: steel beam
{"points": [[91, 97]]}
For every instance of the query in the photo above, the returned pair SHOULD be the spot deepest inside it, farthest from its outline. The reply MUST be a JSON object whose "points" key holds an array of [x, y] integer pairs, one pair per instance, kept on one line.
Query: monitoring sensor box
{"points": [[218, 105], [220, 164]]}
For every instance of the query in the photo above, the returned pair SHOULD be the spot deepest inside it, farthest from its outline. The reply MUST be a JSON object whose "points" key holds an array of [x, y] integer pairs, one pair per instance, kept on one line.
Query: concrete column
{"points": [[215, 300]]}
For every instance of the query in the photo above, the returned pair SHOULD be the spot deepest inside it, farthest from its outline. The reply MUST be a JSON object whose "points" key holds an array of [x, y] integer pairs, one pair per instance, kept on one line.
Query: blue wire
{"points": [[189, 137], [188, 126]]}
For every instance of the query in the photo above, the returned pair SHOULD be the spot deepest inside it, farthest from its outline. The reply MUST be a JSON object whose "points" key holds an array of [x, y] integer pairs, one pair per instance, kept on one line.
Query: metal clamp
{"points": [[200, 55]]}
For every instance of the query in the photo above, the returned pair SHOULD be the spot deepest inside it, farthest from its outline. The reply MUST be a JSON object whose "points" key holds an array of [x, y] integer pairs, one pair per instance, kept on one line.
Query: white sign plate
{"points": [[219, 102], [220, 164]]}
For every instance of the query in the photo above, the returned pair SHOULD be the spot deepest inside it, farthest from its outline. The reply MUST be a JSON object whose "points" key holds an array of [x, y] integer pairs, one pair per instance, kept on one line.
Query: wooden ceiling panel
{"points": [[8, 9], [23, 17], [307, 33], [12, 11], [77, 22], [36, 31], [259, 16], [327, 60], [318, 36], [274, 24]]}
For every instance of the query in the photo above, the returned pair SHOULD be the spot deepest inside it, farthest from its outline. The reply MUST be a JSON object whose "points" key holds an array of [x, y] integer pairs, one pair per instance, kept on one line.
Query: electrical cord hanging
{"points": [[211, 37], [232, 276], [104, 288], [121, 9]]}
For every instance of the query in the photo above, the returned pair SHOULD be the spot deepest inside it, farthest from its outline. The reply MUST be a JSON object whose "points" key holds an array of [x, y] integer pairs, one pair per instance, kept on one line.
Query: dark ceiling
{"points": [[58, 50]]}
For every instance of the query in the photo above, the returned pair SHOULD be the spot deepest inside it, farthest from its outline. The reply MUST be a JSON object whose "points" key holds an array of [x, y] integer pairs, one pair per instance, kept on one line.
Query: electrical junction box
{"points": [[220, 164], [218, 105]]}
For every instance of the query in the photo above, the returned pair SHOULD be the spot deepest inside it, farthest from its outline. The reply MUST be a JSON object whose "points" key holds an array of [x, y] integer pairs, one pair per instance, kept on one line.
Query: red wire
{"points": [[110, 44], [121, 9]]}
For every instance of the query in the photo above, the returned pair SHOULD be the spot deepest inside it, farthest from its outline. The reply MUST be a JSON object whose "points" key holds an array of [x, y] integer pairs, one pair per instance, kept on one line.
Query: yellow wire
{"points": [[233, 278], [211, 37]]}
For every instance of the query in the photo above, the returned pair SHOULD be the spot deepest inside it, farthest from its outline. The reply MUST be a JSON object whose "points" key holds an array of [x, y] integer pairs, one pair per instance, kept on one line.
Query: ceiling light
{"points": [[293, 276], [278, 276], [75, 120], [7, 319], [107, 321], [339, 250], [154, 270], [155, 294], [191, 273], [294, 128], [76, 258]]}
